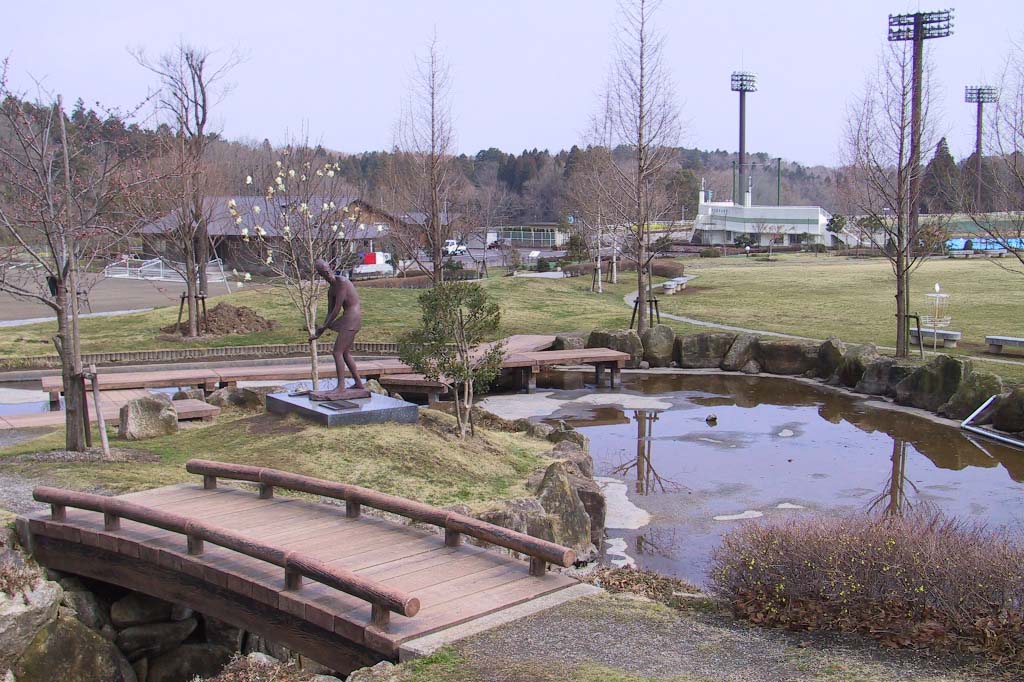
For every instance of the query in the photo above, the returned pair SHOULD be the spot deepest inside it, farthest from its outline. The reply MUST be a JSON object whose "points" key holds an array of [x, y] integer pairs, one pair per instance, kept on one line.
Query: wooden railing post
{"points": [[452, 538], [379, 617], [352, 509], [111, 522], [58, 512], [538, 566], [209, 482], [195, 545], [266, 491], [292, 579]]}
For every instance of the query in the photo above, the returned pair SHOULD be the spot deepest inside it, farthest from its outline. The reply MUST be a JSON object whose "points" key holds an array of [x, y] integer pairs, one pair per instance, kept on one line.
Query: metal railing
{"points": [[159, 269]]}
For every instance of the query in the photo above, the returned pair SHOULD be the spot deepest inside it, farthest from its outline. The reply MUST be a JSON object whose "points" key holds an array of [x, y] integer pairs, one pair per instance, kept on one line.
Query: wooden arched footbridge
{"points": [[341, 587]]}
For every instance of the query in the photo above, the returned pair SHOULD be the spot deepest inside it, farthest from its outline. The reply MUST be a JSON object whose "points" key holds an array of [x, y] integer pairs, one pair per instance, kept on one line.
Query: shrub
{"points": [[817, 248], [710, 253], [15, 580], [576, 269], [916, 580], [453, 265], [669, 269], [543, 265]]}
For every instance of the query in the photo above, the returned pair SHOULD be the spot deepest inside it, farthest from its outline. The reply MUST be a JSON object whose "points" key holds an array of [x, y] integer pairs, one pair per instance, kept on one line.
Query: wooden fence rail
{"points": [[383, 599], [541, 552]]}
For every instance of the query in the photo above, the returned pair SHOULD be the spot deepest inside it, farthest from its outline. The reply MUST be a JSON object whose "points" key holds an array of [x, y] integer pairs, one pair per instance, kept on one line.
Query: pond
{"points": [[775, 449]]}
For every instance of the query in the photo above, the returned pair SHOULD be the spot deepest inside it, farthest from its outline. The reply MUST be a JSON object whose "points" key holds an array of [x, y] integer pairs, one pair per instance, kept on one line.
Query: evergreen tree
{"points": [[940, 186]]}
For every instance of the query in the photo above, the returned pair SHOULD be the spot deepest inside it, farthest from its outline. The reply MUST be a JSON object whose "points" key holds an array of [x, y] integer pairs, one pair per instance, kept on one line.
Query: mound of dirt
{"points": [[225, 318]]}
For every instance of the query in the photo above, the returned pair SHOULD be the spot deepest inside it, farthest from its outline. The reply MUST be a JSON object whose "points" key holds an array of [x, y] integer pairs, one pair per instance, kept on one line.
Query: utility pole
{"points": [[916, 28], [980, 95], [742, 82]]}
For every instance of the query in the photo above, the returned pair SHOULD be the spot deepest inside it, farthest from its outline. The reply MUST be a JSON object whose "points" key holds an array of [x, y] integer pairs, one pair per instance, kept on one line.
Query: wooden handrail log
{"points": [[337, 578], [503, 537]]}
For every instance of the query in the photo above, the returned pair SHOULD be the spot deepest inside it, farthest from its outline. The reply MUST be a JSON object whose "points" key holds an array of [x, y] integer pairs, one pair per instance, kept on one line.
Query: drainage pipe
{"points": [[967, 426]]}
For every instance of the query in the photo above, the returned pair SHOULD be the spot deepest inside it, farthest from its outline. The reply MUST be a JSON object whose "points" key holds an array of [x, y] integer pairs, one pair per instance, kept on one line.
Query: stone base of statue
{"points": [[339, 394], [371, 409]]}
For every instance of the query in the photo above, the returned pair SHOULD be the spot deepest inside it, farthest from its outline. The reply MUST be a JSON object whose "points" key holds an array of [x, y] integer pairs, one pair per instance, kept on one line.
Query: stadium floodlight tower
{"points": [[743, 82], [980, 95], [917, 28]]}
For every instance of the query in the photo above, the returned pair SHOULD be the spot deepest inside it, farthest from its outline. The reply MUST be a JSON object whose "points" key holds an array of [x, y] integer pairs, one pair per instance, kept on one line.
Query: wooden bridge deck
{"points": [[454, 582]]}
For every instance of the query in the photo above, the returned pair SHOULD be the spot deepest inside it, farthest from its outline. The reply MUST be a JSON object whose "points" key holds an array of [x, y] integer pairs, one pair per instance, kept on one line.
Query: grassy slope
{"points": [[528, 306], [426, 462]]}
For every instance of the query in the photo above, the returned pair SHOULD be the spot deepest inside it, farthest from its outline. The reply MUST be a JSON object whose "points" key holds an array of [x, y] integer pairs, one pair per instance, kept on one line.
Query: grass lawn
{"points": [[424, 461], [529, 306]]}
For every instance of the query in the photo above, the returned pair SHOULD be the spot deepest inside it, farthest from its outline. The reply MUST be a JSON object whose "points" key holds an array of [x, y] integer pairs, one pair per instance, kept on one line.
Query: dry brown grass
{"points": [[921, 580]]}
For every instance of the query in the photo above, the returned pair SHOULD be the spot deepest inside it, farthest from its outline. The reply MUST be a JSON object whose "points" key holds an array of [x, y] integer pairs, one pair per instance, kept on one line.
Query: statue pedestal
{"points": [[374, 409]]}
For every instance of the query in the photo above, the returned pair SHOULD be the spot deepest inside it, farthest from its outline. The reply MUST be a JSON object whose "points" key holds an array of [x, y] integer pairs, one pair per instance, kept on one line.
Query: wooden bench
{"points": [[207, 379], [996, 343], [948, 338], [526, 364]]}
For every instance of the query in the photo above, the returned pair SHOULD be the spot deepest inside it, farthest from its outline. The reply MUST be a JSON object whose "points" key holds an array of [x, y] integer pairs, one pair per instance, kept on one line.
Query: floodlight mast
{"points": [[980, 95], [916, 28], [742, 82]]}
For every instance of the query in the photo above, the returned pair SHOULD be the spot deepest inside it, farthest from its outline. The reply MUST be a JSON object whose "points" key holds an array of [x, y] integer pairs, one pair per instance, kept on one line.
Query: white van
{"points": [[453, 248]]}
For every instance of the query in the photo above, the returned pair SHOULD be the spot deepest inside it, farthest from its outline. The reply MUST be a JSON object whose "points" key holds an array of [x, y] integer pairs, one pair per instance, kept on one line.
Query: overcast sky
{"points": [[526, 72]]}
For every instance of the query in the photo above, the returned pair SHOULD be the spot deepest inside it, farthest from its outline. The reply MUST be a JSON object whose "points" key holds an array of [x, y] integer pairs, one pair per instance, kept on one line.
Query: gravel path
{"points": [[608, 637]]}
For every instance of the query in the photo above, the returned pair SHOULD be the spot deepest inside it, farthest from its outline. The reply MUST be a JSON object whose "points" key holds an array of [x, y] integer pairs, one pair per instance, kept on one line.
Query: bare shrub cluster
{"points": [[918, 580], [244, 669], [16, 580]]}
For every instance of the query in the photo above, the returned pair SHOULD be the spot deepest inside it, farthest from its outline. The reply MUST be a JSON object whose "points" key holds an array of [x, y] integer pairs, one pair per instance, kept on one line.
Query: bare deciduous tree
{"points": [[189, 89], [642, 124], [298, 214], [879, 171], [66, 202], [424, 181]]}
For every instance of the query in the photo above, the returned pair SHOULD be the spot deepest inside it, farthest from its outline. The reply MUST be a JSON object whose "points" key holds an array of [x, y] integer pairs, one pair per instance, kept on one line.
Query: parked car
{"points": [[496, 244], [453, 248]]}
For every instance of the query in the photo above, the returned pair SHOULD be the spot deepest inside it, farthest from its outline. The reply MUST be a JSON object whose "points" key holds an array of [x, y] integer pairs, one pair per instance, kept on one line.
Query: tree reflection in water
{"points": [[647, 478], [893, 500]]}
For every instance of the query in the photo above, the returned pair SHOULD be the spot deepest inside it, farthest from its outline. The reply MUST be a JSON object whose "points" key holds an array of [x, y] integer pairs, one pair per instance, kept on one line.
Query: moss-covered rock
{"points": [[743, 352], [972, 394], [855, 361], [624, 340], [658, 342], [830, 355], [789, 357], [882, 376], [1009, 415], [930, 386], [68, 650], [702, 351]]}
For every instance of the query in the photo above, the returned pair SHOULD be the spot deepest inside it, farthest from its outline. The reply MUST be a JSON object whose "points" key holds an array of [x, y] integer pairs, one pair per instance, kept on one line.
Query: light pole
{"points": [[742, 82], [980, 95], [917, 28]]}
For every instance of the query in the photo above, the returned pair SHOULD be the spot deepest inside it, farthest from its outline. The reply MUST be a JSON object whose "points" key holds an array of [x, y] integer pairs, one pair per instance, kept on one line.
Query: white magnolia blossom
{"points": [[238, 220], [303, 178], [245, 231], [291, 172], [260, 231], [231, 203], [248, 179], [325, 206], [319, 173], [334, 228], [239, 285], [332, 205], [330, 173], [270, 258], [278, 163], [279, 180], [247, 277], [256, 210]]}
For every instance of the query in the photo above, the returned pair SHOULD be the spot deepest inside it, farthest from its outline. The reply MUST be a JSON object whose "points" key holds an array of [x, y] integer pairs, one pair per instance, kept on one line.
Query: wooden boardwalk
{"points": [[416, 581], [110, 403]]}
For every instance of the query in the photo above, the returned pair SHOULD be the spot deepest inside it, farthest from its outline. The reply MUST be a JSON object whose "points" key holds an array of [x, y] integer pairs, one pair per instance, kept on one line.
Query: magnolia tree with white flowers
{"points": [[298, 213]]}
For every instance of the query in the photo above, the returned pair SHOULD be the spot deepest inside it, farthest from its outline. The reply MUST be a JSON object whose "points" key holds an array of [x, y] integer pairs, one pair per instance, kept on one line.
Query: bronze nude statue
{"points": [[344, 318]]}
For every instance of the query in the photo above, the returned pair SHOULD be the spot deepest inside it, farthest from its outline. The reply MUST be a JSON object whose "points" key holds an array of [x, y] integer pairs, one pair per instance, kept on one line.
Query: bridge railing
{"points": [[383, 599], [541, 552]]}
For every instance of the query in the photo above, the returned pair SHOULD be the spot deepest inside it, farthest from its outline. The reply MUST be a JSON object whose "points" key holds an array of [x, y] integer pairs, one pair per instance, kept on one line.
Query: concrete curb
{"points": [[428, 644]]}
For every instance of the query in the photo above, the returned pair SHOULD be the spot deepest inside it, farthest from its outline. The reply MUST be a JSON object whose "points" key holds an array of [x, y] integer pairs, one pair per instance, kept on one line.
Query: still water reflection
{"points": [[777, 448]]}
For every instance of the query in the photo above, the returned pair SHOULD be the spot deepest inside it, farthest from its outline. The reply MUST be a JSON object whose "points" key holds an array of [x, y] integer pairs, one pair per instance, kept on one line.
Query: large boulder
{"points": [[382, 672], [702, 351], [373, 386], [930, 386], [569, 342], [148, 417], [153, 639], [523, 515], [136, 608], [590, 495], [881, 376], [830, 354], [789, 357], [250, 398], [576, 456], [1009, 414], [855, 361], [225, 634], [66, 649], [571, 522], [189, 661], [624, 340], [570, 435], [743, 351], [189, 394], [24, 613], [88, 608], [658, 342], [972, 394]]}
